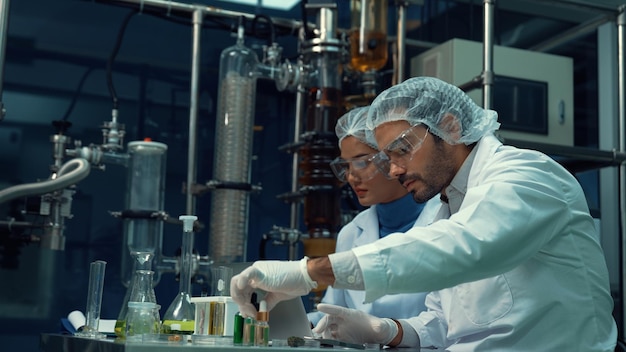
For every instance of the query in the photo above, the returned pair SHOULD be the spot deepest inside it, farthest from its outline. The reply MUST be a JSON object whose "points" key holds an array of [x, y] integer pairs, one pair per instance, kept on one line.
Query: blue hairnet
{"points": [[427, 100], [353, 124]]}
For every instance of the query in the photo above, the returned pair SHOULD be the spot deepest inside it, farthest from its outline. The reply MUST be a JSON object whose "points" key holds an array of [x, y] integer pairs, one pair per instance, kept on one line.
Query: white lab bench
{"points": [[69, 343]]}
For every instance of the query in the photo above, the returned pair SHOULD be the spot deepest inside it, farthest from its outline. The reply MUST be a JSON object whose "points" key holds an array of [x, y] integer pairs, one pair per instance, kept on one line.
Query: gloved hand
{"points": [[354, 326], [282, 280]]}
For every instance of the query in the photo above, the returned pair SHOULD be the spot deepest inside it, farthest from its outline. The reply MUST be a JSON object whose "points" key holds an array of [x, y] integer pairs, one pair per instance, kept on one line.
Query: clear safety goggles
{"points": [[400, 151], [361, 167]]}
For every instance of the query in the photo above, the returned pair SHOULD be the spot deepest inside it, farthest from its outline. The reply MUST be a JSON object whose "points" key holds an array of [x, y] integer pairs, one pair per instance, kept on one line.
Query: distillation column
{"points": [[323, 54]]}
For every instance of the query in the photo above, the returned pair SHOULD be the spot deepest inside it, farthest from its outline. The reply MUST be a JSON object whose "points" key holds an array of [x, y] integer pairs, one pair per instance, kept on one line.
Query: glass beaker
{"points": [[180, 316], [368, 37], [141, 319], [140, 290], [220, 280]]}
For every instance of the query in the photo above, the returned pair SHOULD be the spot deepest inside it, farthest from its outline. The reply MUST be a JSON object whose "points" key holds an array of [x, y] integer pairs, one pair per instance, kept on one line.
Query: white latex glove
{"points": [[282, 280], [354, 326]]}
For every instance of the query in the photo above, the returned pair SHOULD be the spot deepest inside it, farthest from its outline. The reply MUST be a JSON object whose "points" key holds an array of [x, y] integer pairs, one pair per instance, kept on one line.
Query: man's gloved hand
{"points": [[282, 280], [354, 326]]}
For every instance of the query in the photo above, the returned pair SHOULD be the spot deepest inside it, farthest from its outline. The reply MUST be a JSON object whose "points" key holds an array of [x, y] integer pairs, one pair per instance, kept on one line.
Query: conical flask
{"points": [[180, 316], [140, 290]]}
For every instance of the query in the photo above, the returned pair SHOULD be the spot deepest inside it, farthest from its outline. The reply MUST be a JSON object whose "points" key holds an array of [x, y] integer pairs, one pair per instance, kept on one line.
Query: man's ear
{"points": [[451, 126]]}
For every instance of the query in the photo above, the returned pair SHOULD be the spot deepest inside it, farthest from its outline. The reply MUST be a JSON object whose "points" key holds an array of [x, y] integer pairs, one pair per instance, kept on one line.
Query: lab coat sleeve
{"points": [[430, 326], [514, 208]]}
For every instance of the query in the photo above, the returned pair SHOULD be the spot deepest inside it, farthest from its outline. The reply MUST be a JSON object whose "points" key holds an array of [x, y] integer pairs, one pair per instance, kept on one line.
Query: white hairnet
{"points": [[427, 100], [353, 123]]}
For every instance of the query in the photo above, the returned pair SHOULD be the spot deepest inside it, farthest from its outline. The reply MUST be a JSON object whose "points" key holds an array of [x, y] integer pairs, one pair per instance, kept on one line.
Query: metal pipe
{"points": [[401, 40], [190, 206], [414, 42], [172, 7], [4, 24], [295, 171], [621, 139], [571, 34], [78, 170], [488, 7], [584, 5], [621, 69]]}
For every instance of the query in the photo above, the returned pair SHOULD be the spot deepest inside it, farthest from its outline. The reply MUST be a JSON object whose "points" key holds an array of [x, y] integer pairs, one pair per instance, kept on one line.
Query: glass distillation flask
{"points": [[180, 316], [368, 34], [368, 45], [140, 290]]}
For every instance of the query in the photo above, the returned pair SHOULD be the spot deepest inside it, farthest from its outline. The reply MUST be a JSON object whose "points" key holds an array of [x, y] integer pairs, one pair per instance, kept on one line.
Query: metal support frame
{"points": [[190, 204], [487, 74], [197, 13], [621, 139], [4, 24]]}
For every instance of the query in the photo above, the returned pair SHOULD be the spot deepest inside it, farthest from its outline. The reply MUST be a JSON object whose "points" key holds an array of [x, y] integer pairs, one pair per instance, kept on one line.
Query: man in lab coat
{"points": [[513, 264], [391, 209]]}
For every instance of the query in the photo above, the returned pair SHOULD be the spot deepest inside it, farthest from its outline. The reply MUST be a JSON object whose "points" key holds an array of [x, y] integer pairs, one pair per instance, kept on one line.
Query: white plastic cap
{"points": [[263, 306], [188, 221], [77, 319]]}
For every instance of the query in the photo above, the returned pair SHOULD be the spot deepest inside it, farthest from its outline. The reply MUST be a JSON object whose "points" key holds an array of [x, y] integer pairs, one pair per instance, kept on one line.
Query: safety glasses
{"points": [[360, 167], [400, 151]]}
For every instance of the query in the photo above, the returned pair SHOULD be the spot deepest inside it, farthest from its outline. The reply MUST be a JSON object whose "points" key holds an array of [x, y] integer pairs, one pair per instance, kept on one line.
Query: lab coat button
{"points": [[351, 279]]}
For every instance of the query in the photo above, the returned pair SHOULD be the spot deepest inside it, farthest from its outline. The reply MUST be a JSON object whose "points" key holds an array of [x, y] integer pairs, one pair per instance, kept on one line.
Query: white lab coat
{"points": [[517, 268], [363, 229]]}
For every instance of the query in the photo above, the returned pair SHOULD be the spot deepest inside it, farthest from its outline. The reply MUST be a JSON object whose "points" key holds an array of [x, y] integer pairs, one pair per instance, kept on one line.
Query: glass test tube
{"points": [[94, 298]]}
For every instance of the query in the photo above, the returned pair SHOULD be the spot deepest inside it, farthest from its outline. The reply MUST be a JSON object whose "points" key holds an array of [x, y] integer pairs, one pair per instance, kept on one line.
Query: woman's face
{"points": [[377, 189]]}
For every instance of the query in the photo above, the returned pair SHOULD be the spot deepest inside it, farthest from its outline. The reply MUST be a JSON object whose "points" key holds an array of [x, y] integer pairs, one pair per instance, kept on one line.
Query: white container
{"points": [[215, 315]]}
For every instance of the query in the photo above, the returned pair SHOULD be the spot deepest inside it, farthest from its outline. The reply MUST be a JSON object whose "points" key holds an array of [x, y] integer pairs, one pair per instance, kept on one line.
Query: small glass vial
{"points": [[247, 338], [238, 329], [262, 326]]}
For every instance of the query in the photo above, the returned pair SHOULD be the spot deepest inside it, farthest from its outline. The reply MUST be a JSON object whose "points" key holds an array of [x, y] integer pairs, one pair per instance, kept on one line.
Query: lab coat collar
{"points": [[485, 149]]}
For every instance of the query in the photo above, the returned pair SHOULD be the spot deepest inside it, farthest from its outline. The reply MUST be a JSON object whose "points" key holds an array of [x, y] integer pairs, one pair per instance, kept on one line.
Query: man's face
{"points": [[425, 168]]}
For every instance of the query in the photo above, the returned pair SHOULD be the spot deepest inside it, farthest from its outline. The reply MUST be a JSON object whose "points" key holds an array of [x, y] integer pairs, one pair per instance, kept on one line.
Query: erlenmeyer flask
{"points": [[180, 316], [140, 290]]}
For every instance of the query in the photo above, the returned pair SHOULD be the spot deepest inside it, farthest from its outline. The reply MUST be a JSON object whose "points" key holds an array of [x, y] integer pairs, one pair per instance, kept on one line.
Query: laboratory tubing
{"points": [[181, 312], [94, 300], [262, 326]]}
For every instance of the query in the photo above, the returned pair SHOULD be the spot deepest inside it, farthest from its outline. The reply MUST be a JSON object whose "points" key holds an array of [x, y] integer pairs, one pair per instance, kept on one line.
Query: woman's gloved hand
{"points": [[282, 280], [354, 326]]}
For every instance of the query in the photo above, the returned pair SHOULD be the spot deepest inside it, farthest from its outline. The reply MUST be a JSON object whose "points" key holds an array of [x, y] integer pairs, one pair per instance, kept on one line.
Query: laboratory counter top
{"points": [[69, 343]]}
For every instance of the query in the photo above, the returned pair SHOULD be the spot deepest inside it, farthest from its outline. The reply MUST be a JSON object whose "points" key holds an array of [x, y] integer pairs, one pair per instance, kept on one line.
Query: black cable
{"points": [[305, 24], [471, 20], [272, 34], [77, 92], [116, 49], [262, 244]]}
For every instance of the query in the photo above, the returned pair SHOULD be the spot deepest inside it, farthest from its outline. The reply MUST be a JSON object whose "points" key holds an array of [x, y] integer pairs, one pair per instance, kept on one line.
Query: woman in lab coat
{"points": [[514, 262], [391, 209]]}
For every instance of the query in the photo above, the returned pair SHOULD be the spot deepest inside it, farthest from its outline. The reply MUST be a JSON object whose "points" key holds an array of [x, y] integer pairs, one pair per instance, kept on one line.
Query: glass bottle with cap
{"points": [[179, 317], [262, 326]]}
